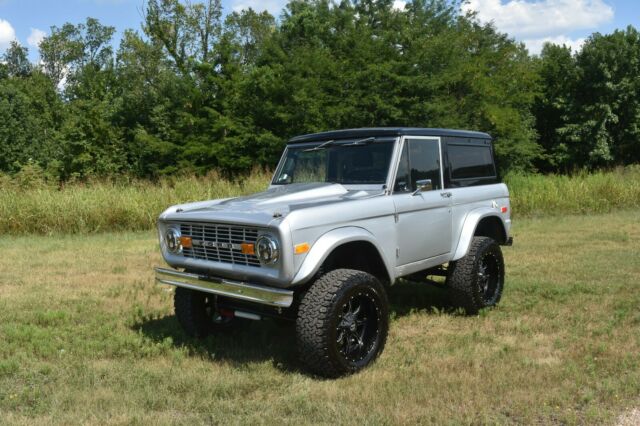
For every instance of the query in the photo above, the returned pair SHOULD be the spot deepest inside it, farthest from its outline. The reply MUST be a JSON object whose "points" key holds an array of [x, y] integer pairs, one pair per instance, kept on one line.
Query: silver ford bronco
{"points": [[346, 215]]}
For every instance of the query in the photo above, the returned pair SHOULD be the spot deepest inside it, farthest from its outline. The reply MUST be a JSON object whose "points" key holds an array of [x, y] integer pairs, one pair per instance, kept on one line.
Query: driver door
{"points": [[423, 218]]}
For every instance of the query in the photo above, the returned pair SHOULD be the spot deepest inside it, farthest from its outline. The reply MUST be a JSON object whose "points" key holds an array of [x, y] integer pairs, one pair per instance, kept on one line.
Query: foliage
{"points": [[32, 203], [195, 90], [580, 193], [15, 61], [29, 116], [589, 110]]}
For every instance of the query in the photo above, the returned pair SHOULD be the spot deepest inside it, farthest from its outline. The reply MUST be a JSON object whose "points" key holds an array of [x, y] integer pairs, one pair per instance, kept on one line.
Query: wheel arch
{"points": [[484, 223], [348, 247]]}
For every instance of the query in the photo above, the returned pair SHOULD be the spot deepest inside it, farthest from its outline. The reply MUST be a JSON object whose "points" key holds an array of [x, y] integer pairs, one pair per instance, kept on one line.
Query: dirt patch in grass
{"points": [[629, 418]]}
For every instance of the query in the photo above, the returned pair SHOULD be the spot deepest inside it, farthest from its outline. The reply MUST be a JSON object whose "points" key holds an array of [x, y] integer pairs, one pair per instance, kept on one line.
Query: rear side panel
{"points": [[472, 178], [470, 206]]}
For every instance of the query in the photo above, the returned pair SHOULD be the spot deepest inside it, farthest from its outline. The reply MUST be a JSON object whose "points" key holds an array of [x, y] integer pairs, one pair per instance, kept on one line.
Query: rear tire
{"points": [[476, 281], [197, 312], [342, 323]]}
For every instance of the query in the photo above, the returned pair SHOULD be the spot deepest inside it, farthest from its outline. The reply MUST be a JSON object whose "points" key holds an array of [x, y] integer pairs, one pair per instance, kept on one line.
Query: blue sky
{"points": [[530, 21]]}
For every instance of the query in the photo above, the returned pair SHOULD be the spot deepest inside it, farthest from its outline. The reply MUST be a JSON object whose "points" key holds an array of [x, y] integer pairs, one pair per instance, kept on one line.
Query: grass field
{"points": [[87, 337]]}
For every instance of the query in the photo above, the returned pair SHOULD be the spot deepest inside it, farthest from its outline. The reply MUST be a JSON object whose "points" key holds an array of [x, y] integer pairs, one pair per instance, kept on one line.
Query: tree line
{"points": [[194, 90]]}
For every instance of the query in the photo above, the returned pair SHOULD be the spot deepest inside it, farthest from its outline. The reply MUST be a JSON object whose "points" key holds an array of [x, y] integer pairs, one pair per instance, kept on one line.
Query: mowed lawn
{"points": [[87, 337]]}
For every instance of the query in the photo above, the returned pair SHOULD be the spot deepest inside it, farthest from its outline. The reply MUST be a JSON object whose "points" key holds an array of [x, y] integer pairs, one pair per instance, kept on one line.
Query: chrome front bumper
{"points": [[227, 288]]}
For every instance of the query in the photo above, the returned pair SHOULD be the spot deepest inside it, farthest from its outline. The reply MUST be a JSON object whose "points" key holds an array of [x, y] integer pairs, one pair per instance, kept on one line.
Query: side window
{"points": [[473, 162], [424, 159], [420, 160]]}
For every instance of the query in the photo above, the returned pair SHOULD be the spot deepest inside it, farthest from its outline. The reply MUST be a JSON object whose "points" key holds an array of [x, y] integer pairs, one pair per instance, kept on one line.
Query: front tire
{"points": [[197, 312], [476, 281], [342, 323]]}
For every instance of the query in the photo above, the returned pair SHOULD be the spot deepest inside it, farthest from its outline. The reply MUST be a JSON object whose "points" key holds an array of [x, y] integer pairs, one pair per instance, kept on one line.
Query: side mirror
{"points": [[284, 178], [423, 185]]}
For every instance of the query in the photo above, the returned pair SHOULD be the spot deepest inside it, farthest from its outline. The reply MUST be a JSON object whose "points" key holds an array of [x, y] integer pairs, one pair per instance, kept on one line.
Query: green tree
{"points": [[367, 64], [188, 31], [80, 62], [558, 76], [147, 91], [16, 60], [604, 127], [29, 119], [59, 50], [191, 92]]}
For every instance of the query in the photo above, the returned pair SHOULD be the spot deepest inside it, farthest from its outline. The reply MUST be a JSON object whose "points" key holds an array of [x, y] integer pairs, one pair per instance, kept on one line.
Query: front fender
{"points": [[469, 228], [323, 247]]}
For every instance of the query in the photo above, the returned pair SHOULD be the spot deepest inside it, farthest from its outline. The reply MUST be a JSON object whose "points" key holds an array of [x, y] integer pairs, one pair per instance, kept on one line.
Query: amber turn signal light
{"points": [[301, 248], [185, 242], [247, 248]]}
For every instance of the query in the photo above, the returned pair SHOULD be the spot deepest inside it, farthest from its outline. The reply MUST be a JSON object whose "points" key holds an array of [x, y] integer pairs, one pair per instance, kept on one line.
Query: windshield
{"points": [[355, 162]]}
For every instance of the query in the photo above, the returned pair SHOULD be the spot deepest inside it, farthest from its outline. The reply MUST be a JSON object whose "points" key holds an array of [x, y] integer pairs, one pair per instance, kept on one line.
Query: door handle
{"points": [[445, 194]]}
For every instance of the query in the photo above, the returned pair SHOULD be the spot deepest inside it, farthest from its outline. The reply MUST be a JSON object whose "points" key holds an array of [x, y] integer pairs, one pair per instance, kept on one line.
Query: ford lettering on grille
{"points": [[220, 242]]}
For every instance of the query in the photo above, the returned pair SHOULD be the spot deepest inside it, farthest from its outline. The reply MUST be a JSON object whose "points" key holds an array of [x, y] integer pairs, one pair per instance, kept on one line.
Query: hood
{"points": [[263, 207]]}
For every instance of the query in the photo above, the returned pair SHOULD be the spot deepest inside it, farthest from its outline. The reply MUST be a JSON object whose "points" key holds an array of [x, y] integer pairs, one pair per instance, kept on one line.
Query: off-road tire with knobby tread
{"points": [[193, 315], [464, 278], [321, 307]]}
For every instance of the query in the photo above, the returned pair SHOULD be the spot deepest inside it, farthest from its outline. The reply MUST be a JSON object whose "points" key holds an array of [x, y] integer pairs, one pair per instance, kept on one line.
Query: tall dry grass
{"points": [[109, 205], [29, 205], [581, 193]]}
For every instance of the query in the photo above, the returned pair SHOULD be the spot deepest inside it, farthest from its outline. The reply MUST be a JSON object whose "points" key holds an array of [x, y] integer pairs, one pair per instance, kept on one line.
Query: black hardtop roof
{"points": [[387, 131]]}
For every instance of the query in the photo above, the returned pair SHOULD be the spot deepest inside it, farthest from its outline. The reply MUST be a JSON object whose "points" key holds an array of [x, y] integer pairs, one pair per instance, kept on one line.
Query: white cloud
{"points": [[274, 7], [35, 37], [535, 45], [541, 19], [7, 34], [399, 4]]}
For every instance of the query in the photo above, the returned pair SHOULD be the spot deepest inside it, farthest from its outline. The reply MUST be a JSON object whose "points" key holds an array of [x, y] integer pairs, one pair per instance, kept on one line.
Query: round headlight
{"points": [[172, 239], [267, 249]]}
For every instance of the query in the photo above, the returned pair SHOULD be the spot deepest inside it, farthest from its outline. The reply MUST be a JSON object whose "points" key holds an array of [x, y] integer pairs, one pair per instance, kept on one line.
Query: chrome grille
{"points": [[219, 243]]}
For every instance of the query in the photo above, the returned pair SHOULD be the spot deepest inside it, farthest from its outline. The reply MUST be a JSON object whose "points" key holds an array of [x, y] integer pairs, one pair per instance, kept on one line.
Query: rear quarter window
{"points": [[471, 164]]}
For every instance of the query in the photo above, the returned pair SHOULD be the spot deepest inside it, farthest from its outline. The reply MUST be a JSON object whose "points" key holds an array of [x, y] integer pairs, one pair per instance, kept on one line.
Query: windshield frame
{"points": [[369, 186]]}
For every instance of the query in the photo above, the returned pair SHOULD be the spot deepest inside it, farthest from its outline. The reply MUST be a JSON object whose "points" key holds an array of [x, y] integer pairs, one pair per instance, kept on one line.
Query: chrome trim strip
{"points": [[227, 288]]}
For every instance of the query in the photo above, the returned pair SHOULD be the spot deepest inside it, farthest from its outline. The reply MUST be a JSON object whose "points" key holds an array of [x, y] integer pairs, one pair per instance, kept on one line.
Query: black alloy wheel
{"points": [[358, 328], [477, 280], [342, 322], [489, 270]]}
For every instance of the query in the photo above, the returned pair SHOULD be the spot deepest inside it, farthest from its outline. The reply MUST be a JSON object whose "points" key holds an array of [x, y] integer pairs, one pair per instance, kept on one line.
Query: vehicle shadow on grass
{"points": [[274, 341], [407, 296], [246, 342]]}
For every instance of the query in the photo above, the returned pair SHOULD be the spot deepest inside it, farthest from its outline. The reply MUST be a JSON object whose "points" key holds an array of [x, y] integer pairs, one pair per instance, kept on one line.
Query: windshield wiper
{"points": [[360, 142], [323, 145]]}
